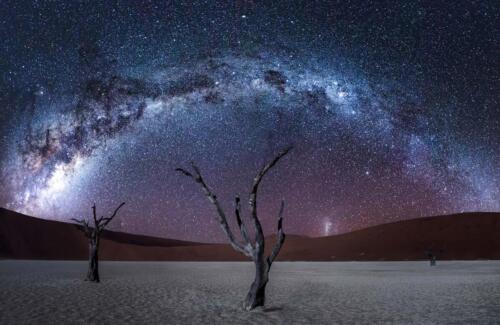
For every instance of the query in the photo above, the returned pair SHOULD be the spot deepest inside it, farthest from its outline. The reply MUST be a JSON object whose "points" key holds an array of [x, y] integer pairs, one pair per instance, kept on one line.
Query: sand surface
{"points": [[210, 293]]}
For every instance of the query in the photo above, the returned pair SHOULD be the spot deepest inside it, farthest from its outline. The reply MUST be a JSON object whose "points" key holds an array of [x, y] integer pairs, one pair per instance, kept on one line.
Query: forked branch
{"points": [[247, 247], [103, 222], [221, 216], [99, 223], [83, 225]]}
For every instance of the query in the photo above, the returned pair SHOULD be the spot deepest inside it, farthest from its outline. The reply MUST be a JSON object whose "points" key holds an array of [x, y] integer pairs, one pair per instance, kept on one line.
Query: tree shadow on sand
{"points": [[272, 309]]}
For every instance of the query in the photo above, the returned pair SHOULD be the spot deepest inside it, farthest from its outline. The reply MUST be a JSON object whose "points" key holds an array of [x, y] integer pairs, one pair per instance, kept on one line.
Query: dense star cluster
{"points": [[393, 112]]}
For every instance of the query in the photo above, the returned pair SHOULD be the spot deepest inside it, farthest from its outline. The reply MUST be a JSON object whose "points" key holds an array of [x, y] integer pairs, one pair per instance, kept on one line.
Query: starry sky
{"points": [[393, 110]]}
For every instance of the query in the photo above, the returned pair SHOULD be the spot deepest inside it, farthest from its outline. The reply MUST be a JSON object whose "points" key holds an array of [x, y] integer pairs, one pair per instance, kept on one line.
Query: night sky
{"points": [[393, 111]]}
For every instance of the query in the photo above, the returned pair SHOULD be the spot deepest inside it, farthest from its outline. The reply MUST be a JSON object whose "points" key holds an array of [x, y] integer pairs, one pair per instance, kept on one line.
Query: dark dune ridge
{"points": [[466, 236]]}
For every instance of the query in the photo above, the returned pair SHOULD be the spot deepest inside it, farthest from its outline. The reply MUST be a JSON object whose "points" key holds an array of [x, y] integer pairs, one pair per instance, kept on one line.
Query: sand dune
{"points": [[463, 236]]}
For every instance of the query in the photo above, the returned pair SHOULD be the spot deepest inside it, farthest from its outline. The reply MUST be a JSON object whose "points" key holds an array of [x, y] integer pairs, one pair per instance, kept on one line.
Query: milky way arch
{"points": [[366, 151]]}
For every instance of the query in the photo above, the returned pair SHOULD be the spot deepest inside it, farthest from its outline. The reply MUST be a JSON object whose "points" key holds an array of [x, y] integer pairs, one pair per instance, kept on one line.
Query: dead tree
{"points": [[432, 257], [251, 248], [93, 233]]}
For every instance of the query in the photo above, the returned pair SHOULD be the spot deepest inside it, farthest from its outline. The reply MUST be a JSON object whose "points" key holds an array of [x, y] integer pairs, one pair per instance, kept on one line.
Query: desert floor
{"points": [[211, 293]]}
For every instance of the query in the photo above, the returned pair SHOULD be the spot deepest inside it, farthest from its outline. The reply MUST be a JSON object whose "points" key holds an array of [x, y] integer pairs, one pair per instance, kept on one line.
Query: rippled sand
{"points": [[210, 293]]}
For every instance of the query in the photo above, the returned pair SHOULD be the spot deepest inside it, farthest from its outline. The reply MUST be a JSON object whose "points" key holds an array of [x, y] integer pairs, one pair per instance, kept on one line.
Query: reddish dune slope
{"points": [[460, 236], [24, 237]]}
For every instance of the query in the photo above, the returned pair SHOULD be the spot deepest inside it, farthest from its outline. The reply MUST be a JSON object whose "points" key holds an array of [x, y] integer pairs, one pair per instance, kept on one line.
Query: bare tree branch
{"points": [[259, 235], [280, 239], [108, 220], [221, 216], [185, 172], [80, 221], [84, 224], [94, 214], [241, 224]]}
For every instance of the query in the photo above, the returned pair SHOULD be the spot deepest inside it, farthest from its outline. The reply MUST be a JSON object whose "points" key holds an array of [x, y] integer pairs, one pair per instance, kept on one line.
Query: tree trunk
{"points": [[93, 272], [256, 297]]}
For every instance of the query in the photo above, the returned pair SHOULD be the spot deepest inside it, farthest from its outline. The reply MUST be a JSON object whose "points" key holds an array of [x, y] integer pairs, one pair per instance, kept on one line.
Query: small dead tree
{"points": [[431, 256], [93, 233], [253, 249]]}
